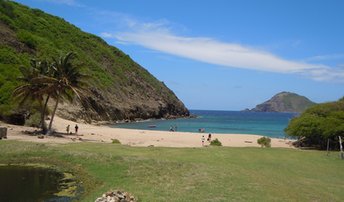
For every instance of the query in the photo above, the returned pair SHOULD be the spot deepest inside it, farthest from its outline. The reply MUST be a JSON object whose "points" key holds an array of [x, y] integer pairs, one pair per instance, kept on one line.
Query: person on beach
{"points": [[209, 137], [67, 129], [202, 140], [76, 128]]}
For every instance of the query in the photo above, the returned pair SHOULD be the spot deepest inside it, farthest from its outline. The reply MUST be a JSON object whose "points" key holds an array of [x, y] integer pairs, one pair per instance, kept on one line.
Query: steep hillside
{"points": [[284, 102], [121, 88]]}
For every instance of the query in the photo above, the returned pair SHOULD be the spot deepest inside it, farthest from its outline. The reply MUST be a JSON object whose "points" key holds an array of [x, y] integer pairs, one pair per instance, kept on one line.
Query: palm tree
{"points": [[60, 80], [33, 90], [44, 70], [65, 83]]}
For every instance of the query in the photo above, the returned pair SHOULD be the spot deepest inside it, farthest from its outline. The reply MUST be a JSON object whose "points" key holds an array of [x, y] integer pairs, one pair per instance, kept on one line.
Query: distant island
{"points": [[284, 102]]}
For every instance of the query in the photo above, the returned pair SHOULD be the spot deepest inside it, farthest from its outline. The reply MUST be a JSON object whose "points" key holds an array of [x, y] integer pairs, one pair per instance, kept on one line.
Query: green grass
{"points": [[202, 174]]}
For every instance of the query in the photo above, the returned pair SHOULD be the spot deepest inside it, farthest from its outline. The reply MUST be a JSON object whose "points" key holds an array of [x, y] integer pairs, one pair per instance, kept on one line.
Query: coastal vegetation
{"points": [[319, 126], [119, 87], [116, 141], [264, 142], [190, 174], [216, 142]]}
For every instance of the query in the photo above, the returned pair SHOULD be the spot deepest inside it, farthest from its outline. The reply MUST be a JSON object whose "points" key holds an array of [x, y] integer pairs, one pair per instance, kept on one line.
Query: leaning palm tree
{"points": [[65, 83], [33, 90]]}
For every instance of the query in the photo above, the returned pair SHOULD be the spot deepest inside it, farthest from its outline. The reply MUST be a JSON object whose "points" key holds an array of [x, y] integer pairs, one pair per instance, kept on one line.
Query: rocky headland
{"points": [[284, 102]]}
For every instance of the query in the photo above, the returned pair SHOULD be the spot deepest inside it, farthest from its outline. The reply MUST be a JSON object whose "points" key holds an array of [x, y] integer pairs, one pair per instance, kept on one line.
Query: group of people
{"points": [[208, 139], [76, 129]]}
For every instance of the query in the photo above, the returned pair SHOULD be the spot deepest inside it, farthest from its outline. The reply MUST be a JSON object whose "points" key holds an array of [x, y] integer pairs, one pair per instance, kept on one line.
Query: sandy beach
{"points": [[132, 137]]}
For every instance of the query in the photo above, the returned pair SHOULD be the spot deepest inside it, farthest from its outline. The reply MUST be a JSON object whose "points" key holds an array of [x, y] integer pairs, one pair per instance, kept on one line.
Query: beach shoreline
{"points": [[134, 137]]}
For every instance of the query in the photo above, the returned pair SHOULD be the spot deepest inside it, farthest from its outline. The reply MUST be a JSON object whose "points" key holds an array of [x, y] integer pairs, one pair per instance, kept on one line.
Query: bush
{"points": [[264, 142], [115, 141], [28, 39], [216, 142], [34, 120]]}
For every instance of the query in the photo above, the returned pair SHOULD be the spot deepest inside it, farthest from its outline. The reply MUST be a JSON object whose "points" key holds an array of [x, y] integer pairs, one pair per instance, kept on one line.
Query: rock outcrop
{"points": [[284, 102], [116, 196]]}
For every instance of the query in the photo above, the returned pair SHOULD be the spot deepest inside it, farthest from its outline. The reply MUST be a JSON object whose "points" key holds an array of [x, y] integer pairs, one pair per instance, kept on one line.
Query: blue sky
{"points": [[222, 54]]}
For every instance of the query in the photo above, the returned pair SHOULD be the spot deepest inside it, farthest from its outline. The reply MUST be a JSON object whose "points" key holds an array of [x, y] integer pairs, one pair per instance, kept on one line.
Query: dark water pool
{"points": [[27, 183]]}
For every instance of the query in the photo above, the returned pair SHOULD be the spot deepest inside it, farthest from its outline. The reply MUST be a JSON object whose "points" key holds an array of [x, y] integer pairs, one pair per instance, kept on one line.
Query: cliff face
{"points": [[121, 88], [284, 102]]}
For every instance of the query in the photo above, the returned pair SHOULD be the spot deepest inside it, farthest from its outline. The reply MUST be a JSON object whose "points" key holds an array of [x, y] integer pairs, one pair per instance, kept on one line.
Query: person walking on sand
{"points": [[76, 128], [67, 129], [203, 138]]}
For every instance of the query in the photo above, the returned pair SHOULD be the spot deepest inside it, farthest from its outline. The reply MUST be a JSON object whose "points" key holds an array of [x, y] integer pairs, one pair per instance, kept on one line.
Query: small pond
{"points": [[31, 183]]}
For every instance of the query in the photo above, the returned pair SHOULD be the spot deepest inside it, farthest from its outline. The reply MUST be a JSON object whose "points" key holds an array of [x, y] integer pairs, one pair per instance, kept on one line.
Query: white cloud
{"points": [[106, 35], [157, 36], [325, 57]]}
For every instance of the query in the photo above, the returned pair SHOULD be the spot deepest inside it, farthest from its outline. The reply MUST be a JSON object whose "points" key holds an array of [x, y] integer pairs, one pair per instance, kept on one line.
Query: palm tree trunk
{"points": [[44, 126], [53, 114], [41, 109]]}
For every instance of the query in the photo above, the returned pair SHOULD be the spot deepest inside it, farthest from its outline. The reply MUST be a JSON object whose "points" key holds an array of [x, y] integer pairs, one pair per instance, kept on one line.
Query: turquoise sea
{"points": [[269, 124]]}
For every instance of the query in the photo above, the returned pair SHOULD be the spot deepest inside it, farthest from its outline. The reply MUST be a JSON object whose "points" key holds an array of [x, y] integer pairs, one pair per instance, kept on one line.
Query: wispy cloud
{"points": [[325, 57], [157, 36]]}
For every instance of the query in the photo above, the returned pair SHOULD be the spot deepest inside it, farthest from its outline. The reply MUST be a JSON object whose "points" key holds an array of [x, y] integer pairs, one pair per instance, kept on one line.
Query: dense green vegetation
{"points": [[119, 84], [189, 174], [46, 36], [318, 124]]}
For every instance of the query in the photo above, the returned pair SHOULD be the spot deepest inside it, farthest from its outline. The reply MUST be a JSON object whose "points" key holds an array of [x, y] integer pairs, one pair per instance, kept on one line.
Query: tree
{"points": [[318, 124], [60, 80], [33, 90], [65, 83]]}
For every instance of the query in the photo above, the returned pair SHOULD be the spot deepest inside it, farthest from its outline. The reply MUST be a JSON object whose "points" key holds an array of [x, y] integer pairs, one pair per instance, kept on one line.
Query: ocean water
{"points": [[269, 124]]}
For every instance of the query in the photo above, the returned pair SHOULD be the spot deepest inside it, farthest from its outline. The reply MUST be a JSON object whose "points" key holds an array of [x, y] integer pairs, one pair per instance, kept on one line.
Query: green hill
{"points": [[121, 88], [284, 102]]}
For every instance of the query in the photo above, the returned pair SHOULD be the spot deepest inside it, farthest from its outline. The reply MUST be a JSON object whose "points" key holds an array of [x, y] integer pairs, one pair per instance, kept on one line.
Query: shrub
{"points": [[264, 141], [115, 141], [8, 56], [216, 142], [34, 120], [28, 39]]}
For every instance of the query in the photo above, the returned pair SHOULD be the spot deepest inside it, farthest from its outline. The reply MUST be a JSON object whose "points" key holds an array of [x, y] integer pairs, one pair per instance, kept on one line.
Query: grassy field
{"points": [[202, 174]]}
